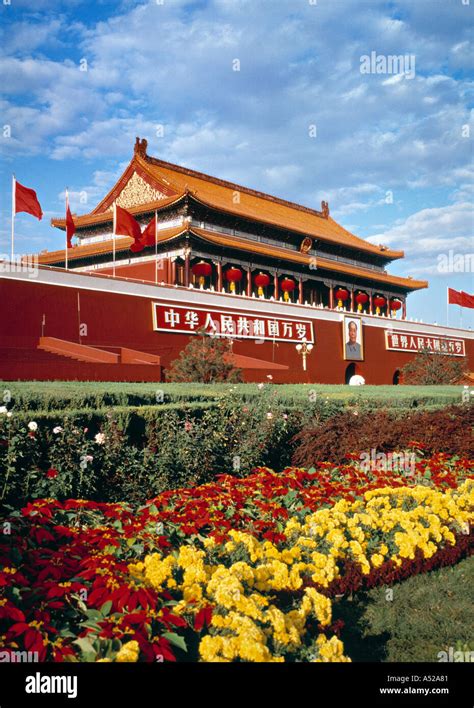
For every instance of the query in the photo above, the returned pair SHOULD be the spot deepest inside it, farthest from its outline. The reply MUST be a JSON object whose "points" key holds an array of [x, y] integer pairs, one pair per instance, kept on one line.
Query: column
{"points": [[173, 272], [219, 276], [404, 309], [300, 291], [371, 308], [331, 297], [186, 269], [249, 282], [276, 288]]}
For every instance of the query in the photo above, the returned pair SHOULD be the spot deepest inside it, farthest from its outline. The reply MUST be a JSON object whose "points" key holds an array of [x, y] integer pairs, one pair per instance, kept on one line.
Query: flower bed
{"points": [[243, 569]]}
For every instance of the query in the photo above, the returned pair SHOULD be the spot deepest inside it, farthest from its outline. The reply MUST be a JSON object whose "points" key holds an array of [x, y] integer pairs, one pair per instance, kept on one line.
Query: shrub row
{"points": [[448, 430], [72, 396], [135, 453]]}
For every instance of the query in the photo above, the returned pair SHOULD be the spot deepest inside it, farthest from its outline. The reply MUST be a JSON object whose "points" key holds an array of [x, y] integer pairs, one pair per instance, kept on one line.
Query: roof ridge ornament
{"points": [[325, 209], [306, 244], [140, 147]]}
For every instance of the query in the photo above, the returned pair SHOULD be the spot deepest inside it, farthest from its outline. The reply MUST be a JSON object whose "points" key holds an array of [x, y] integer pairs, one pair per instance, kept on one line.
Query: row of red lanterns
{"points": [[362, 298], [287, 285], [234, 275]]}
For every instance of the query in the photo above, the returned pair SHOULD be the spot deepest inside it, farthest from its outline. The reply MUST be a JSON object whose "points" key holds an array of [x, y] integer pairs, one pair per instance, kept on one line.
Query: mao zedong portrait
{"points": [[353, 348]]}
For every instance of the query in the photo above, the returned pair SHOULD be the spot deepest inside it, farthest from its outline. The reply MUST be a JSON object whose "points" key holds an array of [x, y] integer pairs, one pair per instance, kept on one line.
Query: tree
{"points": [[206, 359], [429, 368]]}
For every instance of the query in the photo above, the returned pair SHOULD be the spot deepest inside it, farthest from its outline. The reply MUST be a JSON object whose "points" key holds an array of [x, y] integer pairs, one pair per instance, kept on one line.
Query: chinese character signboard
{"points": [[414, 342], [168, 317]]}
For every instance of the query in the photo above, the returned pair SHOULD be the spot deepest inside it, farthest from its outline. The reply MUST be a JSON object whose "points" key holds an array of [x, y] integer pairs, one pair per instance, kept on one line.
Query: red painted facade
{"points": [[110, 320]]}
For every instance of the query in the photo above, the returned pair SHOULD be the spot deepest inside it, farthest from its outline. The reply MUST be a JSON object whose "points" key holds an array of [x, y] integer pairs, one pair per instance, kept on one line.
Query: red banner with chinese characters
{"points": [[415, 342], [169, 317]]}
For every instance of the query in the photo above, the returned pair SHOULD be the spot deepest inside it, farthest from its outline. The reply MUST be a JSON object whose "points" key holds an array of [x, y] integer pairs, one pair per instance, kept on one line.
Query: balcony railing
{"points": [[283, 244]]}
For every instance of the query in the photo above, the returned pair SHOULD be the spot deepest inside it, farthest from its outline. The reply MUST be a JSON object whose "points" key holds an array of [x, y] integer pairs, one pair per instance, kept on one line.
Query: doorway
{"points": [[350, 372]]}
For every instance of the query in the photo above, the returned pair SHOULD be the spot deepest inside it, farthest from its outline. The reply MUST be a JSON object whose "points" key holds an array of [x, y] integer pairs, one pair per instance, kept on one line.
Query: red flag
{"points": [[70, 226], [467, 300], [455, 297], [126, 225], [26, 200], [149, 234]]}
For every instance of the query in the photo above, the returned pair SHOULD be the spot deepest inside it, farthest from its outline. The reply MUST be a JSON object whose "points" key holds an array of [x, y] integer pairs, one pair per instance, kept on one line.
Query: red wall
{"points": [[140, 271], [122, 320]]}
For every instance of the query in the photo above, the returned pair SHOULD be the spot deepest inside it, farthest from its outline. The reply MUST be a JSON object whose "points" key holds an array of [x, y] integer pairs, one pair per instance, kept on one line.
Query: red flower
{"points": [[11, 612], [33, 640], [203, 618], [52, 473]]}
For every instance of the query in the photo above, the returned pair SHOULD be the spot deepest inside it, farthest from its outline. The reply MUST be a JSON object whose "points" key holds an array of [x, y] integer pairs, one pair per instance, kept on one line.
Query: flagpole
{"points": [[156, 247], [113, 239], [13, 215], [67, 204], [447, 307]]}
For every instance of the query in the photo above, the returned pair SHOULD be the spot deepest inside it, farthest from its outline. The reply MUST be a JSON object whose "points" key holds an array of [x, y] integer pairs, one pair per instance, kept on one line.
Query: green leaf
{"points": [[93, 614], [106, 607], [176, 640], [90, 624], [85, 645]]}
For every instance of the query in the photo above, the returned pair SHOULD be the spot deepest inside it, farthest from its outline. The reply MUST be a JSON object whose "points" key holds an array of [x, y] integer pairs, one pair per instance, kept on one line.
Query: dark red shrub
{"points": [[448, 430]]}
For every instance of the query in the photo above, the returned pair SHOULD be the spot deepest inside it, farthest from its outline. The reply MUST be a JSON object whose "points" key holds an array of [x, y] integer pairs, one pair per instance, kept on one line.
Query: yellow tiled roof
{"points": [[228, 197], [242, 244]]}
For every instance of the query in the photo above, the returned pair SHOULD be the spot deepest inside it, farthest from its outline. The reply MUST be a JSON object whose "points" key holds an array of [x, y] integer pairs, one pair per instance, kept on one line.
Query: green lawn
{"points": [[429, 613], [57, 395]]}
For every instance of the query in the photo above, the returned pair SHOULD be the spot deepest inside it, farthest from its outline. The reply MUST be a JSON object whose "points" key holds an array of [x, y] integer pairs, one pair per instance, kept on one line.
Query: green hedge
{"points": [[54, 396], [197, 432], [146, 449]]}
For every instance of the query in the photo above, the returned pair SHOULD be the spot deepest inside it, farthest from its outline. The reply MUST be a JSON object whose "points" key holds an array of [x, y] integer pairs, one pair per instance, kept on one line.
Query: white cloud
{"points": [[84, 199], [430, 233], [299, 66]]}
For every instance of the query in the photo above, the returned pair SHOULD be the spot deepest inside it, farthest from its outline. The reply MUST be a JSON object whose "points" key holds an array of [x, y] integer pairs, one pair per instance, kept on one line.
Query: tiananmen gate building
{"points": [[272, 276]]}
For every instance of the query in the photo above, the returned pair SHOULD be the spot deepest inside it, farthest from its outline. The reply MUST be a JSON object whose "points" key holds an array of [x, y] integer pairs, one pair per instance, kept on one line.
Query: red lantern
{"points": [[341, 294], [233, 275], [395, 305], [379, 301], [261, 280], [287, 285], [361, 299], [201, 270]]}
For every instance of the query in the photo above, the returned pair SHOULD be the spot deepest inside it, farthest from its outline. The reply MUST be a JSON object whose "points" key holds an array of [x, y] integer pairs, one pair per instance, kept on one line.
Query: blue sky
{"points": [[392, 155]]}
